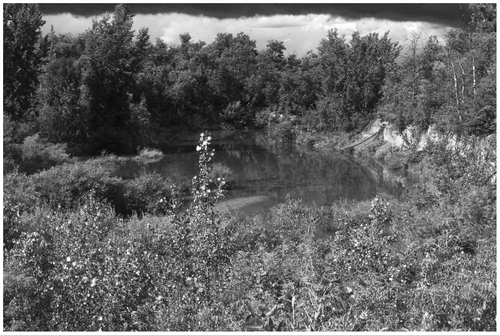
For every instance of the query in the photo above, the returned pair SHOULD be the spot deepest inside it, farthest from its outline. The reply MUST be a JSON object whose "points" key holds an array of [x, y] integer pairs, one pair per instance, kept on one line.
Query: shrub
{"points": [[147, 154], [285, 133], [150, 193], [223, 172], [19, 196], [423, 263], [383, 151], [85, 269], [39, 154], [63, 186], [369, 150], [307, 139], [395, 160]]}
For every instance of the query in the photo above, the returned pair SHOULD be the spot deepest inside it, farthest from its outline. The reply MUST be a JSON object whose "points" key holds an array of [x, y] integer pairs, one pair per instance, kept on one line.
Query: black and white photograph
{"points": [[267, 166]]}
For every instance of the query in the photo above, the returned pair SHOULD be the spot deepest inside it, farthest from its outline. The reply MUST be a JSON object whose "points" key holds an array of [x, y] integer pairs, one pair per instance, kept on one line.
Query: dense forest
{"points": [[112, 89], [85, 249]]}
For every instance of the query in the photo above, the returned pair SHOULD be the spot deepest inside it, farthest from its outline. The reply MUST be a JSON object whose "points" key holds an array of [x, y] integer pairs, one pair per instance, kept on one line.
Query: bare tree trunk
{"points": [[463, 81], [455, 82], [473, 76], [414, 46]]}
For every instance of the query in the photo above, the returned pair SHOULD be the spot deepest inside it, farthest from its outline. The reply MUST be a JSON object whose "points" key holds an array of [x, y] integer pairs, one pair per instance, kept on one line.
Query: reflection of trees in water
{"points": [[277, 168], [339, 175], [264, 168]]}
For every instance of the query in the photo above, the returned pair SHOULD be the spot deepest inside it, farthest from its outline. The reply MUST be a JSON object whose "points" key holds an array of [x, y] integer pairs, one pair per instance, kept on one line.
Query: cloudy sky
{"points": [[301, 26]]}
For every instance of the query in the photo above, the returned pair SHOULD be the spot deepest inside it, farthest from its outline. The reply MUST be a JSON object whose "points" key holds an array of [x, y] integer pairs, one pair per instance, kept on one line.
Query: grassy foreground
{"points": [[87, 250]]}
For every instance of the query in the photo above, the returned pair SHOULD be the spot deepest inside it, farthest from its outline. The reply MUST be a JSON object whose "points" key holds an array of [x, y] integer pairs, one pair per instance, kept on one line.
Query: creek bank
{"points": [[382, 152], [395, 152]]}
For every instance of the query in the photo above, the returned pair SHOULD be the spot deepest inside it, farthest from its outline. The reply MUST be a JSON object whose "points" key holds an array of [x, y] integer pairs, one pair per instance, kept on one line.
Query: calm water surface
{"points": [[265, 174]]}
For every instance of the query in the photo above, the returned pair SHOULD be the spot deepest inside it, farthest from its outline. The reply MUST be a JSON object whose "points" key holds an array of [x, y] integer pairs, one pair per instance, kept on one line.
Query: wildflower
{"points": [[198, 148], [94, 282], [68, 259]]}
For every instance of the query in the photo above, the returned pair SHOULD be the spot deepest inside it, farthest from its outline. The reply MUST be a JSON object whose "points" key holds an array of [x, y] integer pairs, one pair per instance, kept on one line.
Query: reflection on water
{"points": [[266, 174]]}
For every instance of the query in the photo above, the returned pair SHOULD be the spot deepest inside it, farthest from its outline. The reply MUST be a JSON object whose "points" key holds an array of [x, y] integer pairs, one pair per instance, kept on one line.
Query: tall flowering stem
{"points": [[206, 189]]}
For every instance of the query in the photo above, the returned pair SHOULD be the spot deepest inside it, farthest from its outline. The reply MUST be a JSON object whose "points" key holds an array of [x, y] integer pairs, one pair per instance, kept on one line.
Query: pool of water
{"points": [[265, 174]]}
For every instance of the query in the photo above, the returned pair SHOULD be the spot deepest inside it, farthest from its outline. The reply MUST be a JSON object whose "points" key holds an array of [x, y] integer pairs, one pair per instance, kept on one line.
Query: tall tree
{"points": [[24, 50], [354, 73], [111, 59], [60, 118]]}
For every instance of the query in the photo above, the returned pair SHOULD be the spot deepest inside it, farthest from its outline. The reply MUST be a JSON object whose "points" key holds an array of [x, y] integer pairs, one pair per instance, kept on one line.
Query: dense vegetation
{"points": [[86, 248], [112, 89]]}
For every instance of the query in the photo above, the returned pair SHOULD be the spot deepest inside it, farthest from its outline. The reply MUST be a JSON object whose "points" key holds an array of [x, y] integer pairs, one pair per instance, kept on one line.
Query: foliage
{"points": [[85, 249], [150, 193], [38, 154], [64, 187], [24, 50], [223, 172], [424, 262], [147, 154], [111, 89], [110, 60], [393, 157], [451, 85], [355, 74], [62, 118], [84, 268], [284, 131]]}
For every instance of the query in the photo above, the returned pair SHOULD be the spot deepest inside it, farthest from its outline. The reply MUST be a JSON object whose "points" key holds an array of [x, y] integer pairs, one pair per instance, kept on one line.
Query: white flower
{"points": [[198, 148], [68, 259], [94, 281]]}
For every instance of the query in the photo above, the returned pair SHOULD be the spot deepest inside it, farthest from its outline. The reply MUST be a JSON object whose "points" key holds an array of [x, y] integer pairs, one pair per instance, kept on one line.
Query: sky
{"points": [[300, 26]]}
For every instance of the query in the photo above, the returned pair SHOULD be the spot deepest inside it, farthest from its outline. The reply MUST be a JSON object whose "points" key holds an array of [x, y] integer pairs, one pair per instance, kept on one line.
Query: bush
{"points": [[152, 194], [307, 139], [285, 133], [223, 172], [423, 263], [34, 154], [369, 150], [382, 152], [39, 154], [86, 269], [63, 186], [396, 160], [147, 154], [19, 196]]}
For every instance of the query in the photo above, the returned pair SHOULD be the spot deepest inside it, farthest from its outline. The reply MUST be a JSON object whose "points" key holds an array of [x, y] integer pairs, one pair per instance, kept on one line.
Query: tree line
{"points": [[111, 88]]}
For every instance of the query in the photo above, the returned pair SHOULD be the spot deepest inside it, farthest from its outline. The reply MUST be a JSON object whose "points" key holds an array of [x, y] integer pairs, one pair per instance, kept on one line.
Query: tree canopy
{"points": [[111, 88]]}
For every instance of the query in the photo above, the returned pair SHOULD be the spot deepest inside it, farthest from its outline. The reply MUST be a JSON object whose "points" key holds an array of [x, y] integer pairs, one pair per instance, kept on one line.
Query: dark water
{"points": [[266, 174]]}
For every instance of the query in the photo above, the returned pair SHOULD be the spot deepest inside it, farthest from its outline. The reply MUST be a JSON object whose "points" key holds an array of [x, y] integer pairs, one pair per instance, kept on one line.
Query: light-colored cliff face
{"points": [[396, 139], [484, 149]]}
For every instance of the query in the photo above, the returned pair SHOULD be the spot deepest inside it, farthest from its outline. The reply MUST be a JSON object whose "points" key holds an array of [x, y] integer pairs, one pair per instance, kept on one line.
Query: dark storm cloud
{"points": [[444, 14]]}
